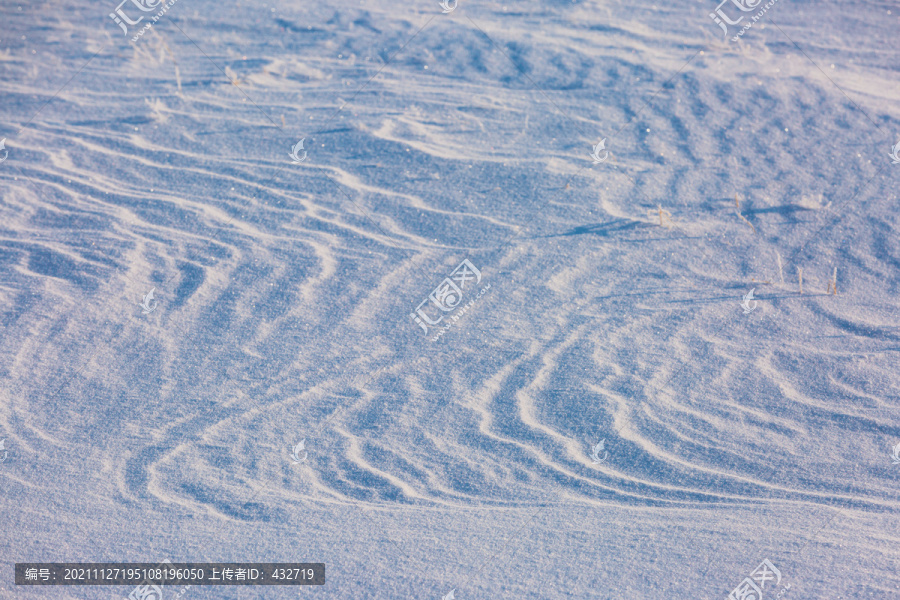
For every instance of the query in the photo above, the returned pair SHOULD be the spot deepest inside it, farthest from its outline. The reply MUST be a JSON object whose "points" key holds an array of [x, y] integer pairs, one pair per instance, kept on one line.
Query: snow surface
{"points": [[613, 311]]}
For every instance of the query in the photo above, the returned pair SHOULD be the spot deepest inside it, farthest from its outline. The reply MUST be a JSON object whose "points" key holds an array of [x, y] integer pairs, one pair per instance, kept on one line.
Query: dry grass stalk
{"points": [[747, 222], [662, 212], [800, 277], [737, 205], [780, 267], [832, 284]]}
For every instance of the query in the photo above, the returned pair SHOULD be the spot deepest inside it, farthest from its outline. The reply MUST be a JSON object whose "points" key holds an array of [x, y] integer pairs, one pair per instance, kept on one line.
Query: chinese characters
{"points": [[446, 296], [751, 588]]}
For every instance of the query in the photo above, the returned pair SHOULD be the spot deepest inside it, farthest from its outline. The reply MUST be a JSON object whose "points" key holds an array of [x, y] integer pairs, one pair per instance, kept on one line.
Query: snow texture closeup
{"points": [[581, 299]]}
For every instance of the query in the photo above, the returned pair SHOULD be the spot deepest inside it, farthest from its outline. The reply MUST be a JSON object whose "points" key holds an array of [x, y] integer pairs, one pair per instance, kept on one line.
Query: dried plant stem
{"points": [[175, 62], [780, 267], [800, 278], [737, 206], [662, 212], [747, 222]]}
